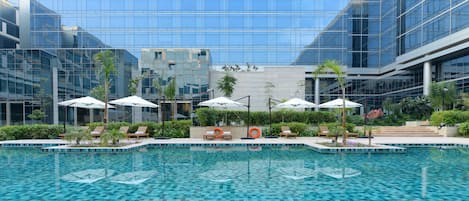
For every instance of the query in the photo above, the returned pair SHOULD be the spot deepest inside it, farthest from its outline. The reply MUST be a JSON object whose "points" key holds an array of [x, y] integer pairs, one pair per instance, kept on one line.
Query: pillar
{"points": [[91, 115], [8, 113], [427, 78], [316, 94], [75, 116], [55, 96]]}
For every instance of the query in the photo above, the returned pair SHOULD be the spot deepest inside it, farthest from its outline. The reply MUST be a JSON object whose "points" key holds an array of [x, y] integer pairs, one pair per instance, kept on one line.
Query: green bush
{"points": [[349, 126], [463, 129], [295, 127], [110, 125], [175, 129], [450, 117], [356, 119], [209, 117], [37, 131]]}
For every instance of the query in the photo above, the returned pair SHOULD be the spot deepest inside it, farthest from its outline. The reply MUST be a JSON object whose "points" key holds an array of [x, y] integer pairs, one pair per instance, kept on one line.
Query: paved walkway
{"points": [[299, 140]]}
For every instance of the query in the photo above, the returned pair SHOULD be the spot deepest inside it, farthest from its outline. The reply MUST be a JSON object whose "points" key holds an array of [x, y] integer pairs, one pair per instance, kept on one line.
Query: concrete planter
{"points": [[417, 123], [448, 131]]}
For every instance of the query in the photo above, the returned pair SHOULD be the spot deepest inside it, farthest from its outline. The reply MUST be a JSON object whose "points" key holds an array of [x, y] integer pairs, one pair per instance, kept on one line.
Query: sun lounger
{"points": [[323, 131], [286, 132], [97, 131], [209, 135], [142, 131], [124, 129], [227, 135]]}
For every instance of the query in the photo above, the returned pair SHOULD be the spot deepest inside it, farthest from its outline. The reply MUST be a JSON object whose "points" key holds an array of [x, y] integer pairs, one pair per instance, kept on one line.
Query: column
{"points": [[8, 113], [91, 115], [55, 96], [427, 78], [75, 116], [316, 94]]}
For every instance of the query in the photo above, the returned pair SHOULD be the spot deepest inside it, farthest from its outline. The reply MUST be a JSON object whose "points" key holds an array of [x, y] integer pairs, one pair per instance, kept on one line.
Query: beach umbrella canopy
{"points": [[338, 103], [134, 101], [85, 102], [296, 103], [221, 102]]}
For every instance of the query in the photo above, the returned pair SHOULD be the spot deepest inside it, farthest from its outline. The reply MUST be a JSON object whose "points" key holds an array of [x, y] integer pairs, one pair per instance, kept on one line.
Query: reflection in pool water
{"points": [[234, 173]]}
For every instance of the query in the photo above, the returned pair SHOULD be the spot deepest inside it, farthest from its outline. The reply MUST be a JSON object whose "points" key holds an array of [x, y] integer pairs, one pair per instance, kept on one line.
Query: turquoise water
{"points": [[234, 173]]}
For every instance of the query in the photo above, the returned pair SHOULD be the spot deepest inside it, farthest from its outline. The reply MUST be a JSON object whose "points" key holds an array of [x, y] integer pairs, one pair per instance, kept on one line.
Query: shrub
{"points": [[463, 129], [38, 131], [110, 125], [77, 135], [450, 117], [175, 129], [209, 117], [356, 119], [295, 127], [349, 126]]}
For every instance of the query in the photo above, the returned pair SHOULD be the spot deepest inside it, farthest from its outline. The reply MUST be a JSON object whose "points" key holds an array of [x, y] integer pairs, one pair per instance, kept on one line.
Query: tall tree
{"points": [[226, 84], [133, 84], [170, 92], [105, 61], [442, 94], [333, 66]]}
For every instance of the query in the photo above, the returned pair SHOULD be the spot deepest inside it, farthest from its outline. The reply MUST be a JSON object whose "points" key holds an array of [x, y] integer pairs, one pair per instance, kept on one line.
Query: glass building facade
{"points": [[387, 47]]}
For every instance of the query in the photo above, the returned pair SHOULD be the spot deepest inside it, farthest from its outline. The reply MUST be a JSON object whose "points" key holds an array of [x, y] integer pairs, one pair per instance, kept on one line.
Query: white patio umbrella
{"points": [[338, 103], [84, 102], [296, 103], [221, 102], [134, 101]]}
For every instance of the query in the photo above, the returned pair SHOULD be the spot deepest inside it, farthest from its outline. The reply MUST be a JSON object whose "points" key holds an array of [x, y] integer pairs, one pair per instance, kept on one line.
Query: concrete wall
{"points": [[287, 82]]}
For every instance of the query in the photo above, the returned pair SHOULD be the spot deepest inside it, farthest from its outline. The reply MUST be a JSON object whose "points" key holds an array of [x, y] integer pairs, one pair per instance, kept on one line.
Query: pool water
{"points": [[234, 173]]}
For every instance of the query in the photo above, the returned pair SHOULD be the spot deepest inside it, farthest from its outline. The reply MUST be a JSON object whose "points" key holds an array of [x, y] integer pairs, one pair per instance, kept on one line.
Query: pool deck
{"points": [[380, 144]]}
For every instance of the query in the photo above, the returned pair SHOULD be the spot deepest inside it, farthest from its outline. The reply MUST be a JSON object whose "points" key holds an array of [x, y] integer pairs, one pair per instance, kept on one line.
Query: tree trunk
{"points": [[106, 91], [175, 109], [344, 135]]}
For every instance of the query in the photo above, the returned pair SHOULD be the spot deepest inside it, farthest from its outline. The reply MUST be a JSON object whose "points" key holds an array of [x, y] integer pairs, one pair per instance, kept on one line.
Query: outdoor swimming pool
{"points": [[234, 173]]}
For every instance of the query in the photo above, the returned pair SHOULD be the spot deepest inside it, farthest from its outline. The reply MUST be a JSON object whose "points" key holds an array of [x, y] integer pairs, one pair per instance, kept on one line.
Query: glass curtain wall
{"points": [[257, 32]]}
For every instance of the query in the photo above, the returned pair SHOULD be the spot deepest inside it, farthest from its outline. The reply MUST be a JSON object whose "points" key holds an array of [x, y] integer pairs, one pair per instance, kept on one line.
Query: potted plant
{"points": [[77, 135], [114, 135]]}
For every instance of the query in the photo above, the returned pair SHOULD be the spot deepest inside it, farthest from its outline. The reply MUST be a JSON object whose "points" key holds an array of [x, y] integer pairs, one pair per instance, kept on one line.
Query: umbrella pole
{"points": [[249, 116], [162, 118], [65, 119], [270, 117]]}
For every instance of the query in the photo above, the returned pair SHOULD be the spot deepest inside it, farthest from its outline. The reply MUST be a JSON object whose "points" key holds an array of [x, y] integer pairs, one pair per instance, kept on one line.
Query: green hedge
{"points": [[450, 117], [302, 129], [350, 126], [38, 131], [463, 129], [173, 129], [209, 117]]}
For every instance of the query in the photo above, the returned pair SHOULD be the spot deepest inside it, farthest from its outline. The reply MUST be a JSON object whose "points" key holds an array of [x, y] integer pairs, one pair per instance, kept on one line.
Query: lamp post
{"points": [[249, 115], [162, 115], [443, 101]]}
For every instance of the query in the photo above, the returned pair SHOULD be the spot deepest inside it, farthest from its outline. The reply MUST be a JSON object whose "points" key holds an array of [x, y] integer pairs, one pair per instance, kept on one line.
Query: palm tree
{"points": [[226, 84], [442, 94], [331, 65], [170, 92], [105, 61]]}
